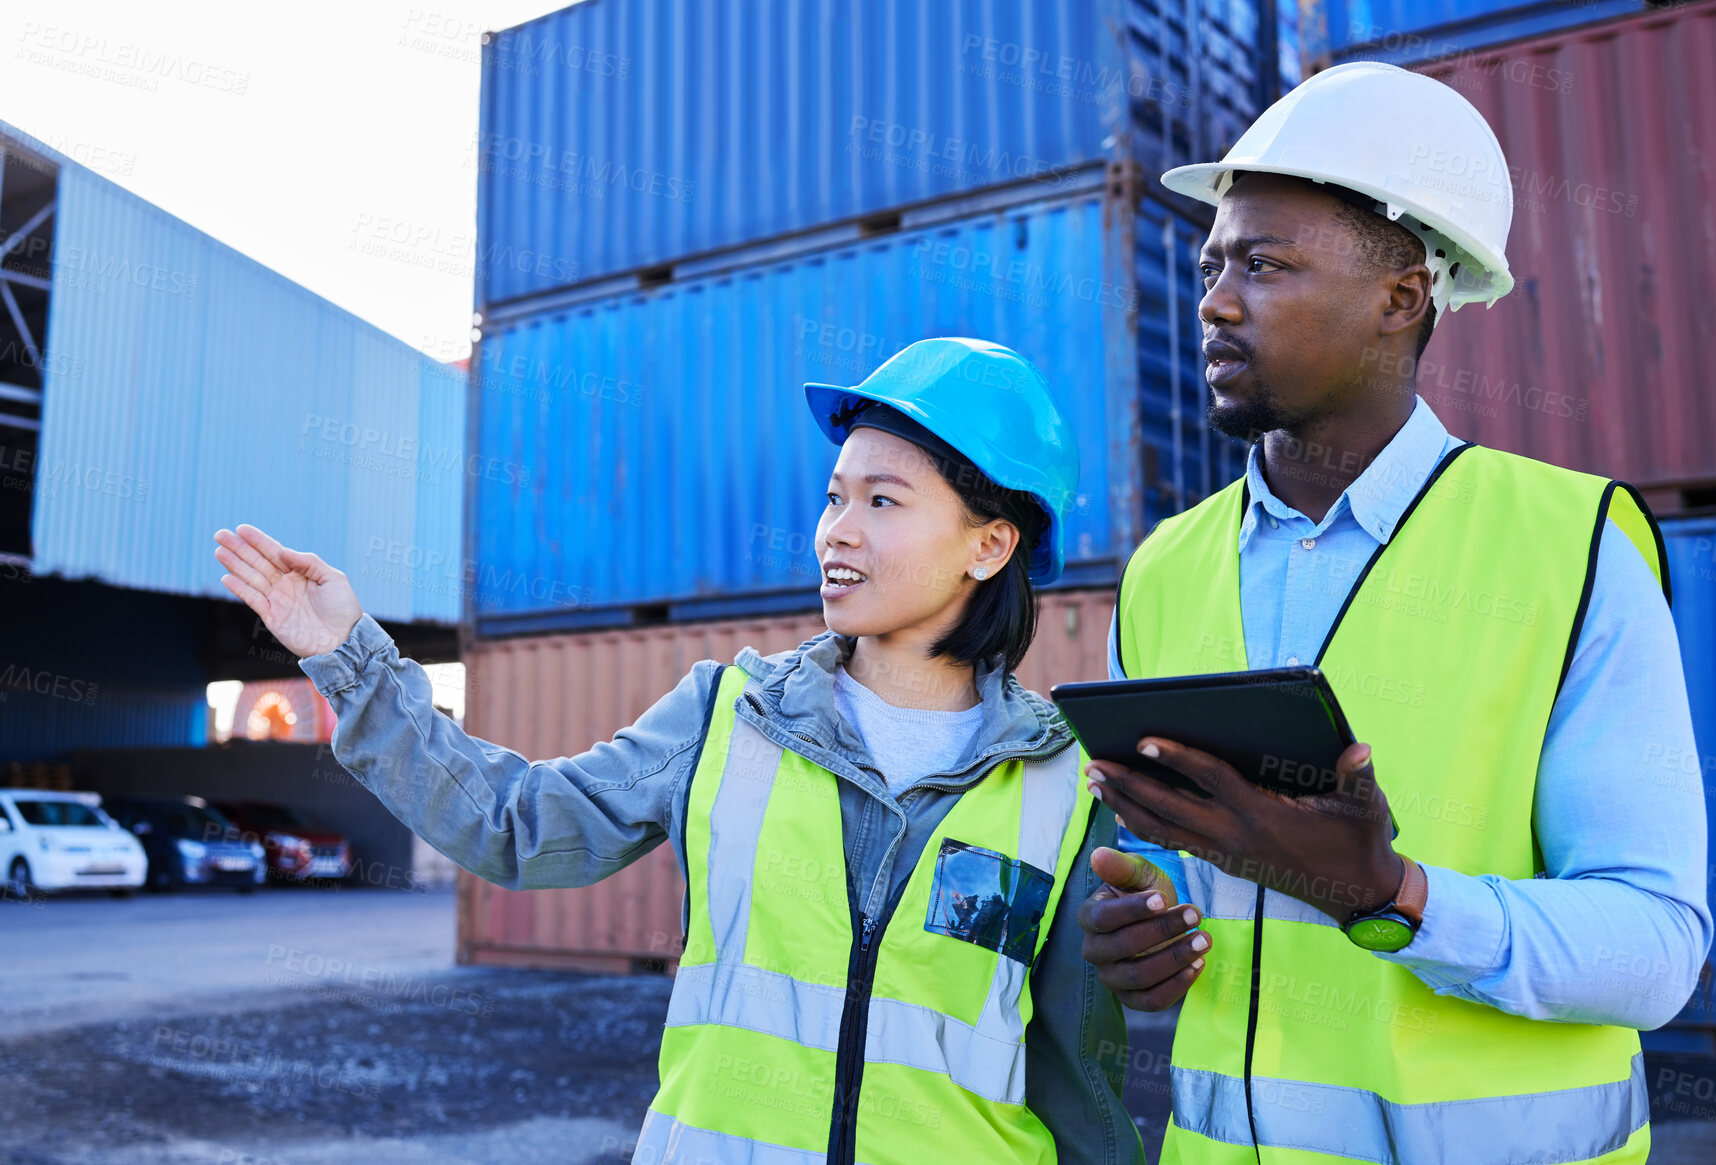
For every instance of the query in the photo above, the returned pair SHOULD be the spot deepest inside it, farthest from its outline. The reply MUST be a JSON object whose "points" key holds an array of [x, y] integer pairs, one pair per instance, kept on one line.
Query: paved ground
{"points": [[313, 1028], [303, 1028], [77, 960]]}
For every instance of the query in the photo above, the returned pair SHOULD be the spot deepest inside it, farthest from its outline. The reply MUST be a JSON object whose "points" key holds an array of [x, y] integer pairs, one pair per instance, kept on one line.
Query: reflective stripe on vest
{"points": [[1358, 1124], [748, 1055], [664, 1140], [1446, 659]]}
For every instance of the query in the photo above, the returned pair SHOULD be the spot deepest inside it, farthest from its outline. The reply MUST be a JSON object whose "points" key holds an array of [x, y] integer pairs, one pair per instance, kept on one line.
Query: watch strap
{"points": [[1413, 893]]}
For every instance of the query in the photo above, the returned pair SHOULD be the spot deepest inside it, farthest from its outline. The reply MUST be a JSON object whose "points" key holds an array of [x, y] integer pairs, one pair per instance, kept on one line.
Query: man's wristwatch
{"points": [[1391, 926]]}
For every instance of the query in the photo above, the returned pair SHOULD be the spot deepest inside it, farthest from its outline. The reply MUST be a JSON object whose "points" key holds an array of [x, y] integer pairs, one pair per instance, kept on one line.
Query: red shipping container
{"points": [[1599, 359]]}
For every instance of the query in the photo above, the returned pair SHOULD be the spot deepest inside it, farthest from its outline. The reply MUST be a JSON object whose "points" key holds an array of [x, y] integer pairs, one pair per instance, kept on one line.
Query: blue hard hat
{"points": [[989, 403]]}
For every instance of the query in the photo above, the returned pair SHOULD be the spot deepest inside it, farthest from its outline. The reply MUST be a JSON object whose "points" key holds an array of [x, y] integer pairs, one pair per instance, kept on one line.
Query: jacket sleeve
{"points": [[1075, 1047], [1617, 928], [521, 824]]}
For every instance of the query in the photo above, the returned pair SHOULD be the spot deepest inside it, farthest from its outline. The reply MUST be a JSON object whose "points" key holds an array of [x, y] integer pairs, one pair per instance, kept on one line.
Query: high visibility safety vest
{"points": [[803, 1029], [1446, 658]]}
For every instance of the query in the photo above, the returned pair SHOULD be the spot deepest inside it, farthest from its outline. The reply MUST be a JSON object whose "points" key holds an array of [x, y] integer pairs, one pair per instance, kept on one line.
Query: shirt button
{"points": [[1292, 661], [1273, 524], [1308, 543]]}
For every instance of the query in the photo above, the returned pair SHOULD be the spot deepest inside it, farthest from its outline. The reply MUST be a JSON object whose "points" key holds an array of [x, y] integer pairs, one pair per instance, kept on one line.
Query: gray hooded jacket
{"points": [[571, 821]]}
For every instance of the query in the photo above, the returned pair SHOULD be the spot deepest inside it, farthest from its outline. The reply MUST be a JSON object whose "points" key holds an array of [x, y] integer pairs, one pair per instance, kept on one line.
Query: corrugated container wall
{"points": [[1599, 359], [558, 695], [80, 715], [1691, 545], [38, 726], [1403, 32], [187, 387], [627, 134], [658, 447]]}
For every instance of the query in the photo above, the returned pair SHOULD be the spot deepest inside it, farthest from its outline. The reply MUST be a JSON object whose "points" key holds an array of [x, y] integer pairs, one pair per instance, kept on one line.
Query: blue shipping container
{"points": [[619, 135], [83, 665], [49, 728], [1691, 544], [1405, 32], [664, 454], [185, 387]]}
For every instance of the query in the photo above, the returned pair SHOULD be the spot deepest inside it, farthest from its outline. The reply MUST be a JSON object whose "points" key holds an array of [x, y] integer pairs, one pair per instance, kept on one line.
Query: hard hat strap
{"points": [[1441, 256]]}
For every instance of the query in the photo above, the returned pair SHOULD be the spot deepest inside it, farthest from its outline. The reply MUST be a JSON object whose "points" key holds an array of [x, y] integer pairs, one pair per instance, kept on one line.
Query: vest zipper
{"points": [[854, 1021], [1251, 1016]]}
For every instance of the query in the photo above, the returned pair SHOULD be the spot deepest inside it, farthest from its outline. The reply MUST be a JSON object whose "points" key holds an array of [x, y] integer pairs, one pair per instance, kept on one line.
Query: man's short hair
{"points": [[1386, 244]]}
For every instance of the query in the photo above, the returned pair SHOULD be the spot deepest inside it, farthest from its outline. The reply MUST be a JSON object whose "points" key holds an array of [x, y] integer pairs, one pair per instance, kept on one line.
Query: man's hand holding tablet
{"points": [[1330, 847], [1332, 850]]}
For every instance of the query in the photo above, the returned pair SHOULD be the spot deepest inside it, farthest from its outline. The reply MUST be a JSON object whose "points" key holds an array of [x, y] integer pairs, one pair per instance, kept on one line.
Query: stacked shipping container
{"points": [[982, 175], [619, 136], [686, 213]]}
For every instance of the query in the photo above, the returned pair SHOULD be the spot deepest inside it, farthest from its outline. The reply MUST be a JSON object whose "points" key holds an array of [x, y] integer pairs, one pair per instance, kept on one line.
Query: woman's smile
{"points": [[840, 579]]}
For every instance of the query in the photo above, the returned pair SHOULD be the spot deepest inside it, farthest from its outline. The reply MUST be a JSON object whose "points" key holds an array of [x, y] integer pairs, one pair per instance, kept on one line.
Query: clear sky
{"points": [[294, 133]]}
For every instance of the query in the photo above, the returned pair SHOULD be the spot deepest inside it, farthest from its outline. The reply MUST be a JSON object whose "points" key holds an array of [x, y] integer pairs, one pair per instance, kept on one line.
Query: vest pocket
{"points": [[987, 898]]}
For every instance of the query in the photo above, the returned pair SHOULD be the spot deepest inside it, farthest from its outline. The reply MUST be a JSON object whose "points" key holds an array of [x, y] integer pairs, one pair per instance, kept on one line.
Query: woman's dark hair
{"points": [[1001, 618]]}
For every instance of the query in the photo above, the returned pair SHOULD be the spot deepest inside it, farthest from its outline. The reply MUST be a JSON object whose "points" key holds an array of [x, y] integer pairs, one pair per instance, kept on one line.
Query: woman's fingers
{"points": [[248, 553], [268, 549], [252, 598], [285, 559], [257, 578], [268, 557]]}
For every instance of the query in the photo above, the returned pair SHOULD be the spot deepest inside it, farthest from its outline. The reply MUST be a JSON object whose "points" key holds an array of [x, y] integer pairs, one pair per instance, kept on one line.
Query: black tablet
{"points": [[1279, 727]]}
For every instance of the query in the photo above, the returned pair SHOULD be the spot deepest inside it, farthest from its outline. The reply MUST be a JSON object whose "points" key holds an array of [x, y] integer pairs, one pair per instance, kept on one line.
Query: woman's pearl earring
{"points": [[980, 573]]}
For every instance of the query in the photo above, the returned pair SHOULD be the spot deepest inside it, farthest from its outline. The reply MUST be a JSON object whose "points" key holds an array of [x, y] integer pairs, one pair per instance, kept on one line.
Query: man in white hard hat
{"points": [[1449, 958]]}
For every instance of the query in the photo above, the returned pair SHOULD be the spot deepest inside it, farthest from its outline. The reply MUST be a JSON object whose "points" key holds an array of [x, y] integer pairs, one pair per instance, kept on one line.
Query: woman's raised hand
{"points": [[307, 604]]}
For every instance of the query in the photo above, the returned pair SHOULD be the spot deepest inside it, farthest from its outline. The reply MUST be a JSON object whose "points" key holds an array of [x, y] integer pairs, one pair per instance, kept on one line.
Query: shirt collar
{"points": [[1378, 496], [799, 686]]}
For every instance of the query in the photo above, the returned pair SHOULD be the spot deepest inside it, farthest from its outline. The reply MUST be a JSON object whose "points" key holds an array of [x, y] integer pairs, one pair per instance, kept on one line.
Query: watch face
{"points": [[1386, 933]]}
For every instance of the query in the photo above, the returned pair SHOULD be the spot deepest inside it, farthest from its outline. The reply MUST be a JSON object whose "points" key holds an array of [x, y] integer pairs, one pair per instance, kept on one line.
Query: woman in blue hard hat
{"points": [[884, 835]]}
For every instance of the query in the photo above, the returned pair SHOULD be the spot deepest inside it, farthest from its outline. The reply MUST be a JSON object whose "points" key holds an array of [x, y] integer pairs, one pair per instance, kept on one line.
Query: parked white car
{"points": [[63, 841]]}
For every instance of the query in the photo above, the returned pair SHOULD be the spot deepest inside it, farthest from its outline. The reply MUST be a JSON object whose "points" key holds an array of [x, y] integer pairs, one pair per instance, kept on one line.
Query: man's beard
{"points": [[1249, 419]]}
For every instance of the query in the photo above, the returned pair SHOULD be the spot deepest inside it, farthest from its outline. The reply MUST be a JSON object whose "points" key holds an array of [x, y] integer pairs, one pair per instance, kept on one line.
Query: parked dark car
{"points": [[190, 843], [298, 849]]}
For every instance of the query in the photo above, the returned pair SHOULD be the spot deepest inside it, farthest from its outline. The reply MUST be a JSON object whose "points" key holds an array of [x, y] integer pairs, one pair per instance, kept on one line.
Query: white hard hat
{"points": [[1412, 143]]}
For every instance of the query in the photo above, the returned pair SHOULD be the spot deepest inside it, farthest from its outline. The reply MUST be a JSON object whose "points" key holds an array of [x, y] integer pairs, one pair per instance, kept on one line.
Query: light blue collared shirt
{"points": [[1616, 929]]}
